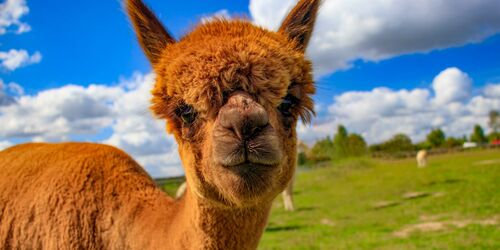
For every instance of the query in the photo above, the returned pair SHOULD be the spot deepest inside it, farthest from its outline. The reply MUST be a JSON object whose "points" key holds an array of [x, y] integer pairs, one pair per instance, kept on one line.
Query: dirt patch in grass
{"points": [[414, 195], [327, 222], [438, 194], [433, 226], [384, 204], [432, 217], [487, 162]]}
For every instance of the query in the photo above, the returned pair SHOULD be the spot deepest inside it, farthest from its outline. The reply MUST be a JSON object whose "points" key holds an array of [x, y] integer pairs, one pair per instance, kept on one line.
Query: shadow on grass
{"points": [[283, 228], [445, 181], [300, 209]]}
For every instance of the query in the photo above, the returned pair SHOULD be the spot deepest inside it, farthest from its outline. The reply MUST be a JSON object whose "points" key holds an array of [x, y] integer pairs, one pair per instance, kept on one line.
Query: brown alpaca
{"points": [[231, 94]]}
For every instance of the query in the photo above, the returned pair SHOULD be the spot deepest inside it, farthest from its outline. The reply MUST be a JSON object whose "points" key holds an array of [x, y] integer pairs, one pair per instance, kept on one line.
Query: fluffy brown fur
{"points": [[231, 94]]}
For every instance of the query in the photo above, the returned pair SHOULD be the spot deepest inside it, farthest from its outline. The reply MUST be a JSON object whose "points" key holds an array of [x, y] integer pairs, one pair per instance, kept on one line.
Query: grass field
{"points": [[454, 203]]}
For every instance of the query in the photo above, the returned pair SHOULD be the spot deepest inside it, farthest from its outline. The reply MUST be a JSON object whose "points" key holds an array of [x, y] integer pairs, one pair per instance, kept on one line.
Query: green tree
{"points": [[477, 135], [398, 143], [340, 142], [436, 138], [356, 145]]}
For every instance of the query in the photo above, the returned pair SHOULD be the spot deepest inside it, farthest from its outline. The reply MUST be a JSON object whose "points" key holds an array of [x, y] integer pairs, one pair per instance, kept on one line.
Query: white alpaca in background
{"points": [[180, 190], [288, 196], [422, 158]]}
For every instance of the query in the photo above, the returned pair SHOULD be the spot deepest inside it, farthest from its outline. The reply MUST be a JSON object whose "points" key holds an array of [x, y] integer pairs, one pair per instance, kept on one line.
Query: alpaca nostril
{"points": [[243, 116], [252, 129], [255, 131]]}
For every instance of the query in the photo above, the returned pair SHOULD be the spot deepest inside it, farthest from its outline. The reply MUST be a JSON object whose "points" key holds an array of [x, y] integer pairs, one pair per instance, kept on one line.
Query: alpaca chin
{"points": [[247, 183]]}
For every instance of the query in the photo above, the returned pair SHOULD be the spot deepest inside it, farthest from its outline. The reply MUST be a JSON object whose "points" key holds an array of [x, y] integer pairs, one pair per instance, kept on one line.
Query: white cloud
{"points": [[348, 30], [452, 85], [8, 91], [492, 90], [380, 113], [13, 59], [55, 114], [11, 11], [72, 110]]}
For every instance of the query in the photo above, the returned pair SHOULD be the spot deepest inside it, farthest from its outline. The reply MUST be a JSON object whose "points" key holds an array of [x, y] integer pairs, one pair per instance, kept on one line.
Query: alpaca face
{"points": [[232, 94]]}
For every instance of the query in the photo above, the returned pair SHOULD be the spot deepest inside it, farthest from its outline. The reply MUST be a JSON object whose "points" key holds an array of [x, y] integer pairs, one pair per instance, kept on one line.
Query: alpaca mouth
{"points": [[248, 163], [261, 152], [244, 158], [250, 167]]}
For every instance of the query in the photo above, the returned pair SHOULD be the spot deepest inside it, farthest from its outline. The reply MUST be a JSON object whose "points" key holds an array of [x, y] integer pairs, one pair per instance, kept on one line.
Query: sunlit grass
{"points": [[342, 206]]}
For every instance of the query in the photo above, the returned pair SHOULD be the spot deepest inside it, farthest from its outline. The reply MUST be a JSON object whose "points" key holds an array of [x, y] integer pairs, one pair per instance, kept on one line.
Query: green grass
{"points": [[171, 188], [335, 205]]}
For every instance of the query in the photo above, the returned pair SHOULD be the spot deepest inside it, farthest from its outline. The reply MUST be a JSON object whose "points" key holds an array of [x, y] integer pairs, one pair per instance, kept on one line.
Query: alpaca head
{"points": [[232, 93]]}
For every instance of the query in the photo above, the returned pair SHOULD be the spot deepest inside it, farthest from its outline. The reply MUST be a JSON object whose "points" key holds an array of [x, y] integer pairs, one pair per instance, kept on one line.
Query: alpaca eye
{"points": [[186, 113], [286, 106]]}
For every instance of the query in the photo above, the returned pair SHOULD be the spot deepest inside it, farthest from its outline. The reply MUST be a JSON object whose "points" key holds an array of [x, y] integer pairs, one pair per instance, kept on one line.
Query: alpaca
{"points": [[422, 158], [231, 94]]}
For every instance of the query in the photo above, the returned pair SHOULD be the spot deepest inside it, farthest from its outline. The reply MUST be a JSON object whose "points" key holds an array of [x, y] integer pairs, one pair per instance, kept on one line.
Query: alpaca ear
{"points": [[150, 32], [299, 24]]}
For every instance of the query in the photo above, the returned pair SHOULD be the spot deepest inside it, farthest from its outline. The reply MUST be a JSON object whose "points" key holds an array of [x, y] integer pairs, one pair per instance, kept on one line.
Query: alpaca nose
{"points": [[243, 116]]}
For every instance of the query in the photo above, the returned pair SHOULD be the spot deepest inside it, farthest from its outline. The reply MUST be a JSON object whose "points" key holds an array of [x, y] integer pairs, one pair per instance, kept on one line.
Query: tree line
{"points": [[346, 145]]}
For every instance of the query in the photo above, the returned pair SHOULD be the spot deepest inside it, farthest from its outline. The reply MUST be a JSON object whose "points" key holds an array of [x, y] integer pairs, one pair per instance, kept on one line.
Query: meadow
{"points": [[365, 203], [453, 203]]}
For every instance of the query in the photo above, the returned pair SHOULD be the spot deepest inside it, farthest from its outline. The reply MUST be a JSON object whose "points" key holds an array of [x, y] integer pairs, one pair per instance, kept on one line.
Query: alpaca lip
{"points": [[249, 164], [248, 169]]}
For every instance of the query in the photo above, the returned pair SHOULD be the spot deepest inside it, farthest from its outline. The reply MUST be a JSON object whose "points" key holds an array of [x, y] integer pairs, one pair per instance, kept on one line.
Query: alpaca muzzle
{"points": [[243, 135]]}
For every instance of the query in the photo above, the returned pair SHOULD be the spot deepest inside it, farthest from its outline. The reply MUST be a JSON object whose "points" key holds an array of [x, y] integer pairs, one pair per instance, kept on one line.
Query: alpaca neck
{"points": [[208, 226]]}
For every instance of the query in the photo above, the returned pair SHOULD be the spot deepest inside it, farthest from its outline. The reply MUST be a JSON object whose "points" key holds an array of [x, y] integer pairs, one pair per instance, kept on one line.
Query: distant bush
{"points": [[321, 151], [452, 142], [340, 142], [423, 145], [397, 144], [356, 145]]}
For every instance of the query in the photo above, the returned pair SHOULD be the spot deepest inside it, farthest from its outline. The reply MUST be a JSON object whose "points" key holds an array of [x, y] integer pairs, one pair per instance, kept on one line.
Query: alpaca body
{"points": [[422, 158], [92, 196]]}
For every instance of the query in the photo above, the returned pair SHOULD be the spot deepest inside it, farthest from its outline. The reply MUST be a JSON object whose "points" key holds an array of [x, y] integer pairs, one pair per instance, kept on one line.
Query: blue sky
{"points": [[380, 68]]}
